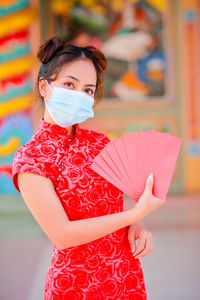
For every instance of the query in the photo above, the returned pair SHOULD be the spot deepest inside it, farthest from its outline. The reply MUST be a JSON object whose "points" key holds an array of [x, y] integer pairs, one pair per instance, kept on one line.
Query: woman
{"points": [[81, 212]]}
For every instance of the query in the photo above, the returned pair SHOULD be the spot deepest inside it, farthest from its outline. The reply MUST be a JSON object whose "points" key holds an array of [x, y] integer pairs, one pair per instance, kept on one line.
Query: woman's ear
{"points": [[43, 87]]}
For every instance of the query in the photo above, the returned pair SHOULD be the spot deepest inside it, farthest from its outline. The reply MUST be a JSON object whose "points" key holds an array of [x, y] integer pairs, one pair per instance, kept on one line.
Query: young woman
{"points": [[81, 212]]}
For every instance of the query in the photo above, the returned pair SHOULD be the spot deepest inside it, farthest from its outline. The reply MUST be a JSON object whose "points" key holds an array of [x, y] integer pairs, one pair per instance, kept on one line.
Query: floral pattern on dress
{"points": [[104, 268]]}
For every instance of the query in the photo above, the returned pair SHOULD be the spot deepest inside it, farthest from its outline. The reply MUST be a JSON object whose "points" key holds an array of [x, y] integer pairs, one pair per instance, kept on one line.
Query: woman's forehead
{"points": [[80, 69]]}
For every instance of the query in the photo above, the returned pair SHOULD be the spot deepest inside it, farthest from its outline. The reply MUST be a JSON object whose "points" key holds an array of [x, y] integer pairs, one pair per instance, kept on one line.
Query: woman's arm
{"points": [[39, 194], [128, 204]]}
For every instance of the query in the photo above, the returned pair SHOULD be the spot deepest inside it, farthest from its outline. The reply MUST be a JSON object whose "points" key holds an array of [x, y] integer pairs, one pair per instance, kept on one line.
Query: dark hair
{"points": [[54, 54]]}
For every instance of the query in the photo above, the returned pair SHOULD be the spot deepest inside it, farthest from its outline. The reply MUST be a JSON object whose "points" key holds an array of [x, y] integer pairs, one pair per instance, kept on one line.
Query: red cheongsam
{"points": [[101, 269]]}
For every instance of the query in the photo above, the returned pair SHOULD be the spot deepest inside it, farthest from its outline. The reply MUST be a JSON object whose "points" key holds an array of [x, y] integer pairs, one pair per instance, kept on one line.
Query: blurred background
{"points": [[152, 81]]}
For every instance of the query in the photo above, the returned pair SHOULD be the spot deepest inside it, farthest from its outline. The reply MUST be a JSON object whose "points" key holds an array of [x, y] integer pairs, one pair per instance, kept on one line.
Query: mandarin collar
{"points": [[57, 129]]}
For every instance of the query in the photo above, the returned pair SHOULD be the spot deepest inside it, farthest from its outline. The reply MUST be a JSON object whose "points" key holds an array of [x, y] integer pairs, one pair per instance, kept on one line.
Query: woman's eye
{"points": [[89, 91], [68, 84]]}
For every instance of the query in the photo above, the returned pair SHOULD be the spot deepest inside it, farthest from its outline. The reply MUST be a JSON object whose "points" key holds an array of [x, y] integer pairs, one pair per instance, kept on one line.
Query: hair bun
{"points": [[49, 48]]}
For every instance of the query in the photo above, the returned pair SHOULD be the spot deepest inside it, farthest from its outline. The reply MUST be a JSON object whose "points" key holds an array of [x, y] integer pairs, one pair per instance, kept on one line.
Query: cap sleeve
{"points": [[26, 161]]}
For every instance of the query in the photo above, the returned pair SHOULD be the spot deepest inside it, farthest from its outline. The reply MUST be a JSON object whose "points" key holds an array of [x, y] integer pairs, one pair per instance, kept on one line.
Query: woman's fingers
{"points": [[131, 238], [141, 244], [148, 245], [149, 184]]}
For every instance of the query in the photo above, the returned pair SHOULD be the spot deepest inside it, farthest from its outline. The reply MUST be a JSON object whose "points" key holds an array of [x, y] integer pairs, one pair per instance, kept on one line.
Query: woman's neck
{"points": [[47, 117]]}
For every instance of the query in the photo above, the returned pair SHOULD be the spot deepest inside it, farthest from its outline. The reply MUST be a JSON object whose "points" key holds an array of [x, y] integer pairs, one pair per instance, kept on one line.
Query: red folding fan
{"points": [[126, 162]]}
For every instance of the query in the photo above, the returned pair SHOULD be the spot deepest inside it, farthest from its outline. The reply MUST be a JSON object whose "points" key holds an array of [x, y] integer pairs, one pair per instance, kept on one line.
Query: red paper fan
{"points": [[126, 162]]}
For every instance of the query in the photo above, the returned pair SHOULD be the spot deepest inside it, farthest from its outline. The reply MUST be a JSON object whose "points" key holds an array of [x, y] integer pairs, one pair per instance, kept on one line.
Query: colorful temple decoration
{"points": [[16, 88], [14, 45], [190, 24], [12, 136], [134, 38], [10, 6]]}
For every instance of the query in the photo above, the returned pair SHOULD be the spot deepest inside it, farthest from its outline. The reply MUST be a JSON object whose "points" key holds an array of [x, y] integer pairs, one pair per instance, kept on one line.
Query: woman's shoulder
{"points": [[33, 153], [28, 158], [28, 149]]}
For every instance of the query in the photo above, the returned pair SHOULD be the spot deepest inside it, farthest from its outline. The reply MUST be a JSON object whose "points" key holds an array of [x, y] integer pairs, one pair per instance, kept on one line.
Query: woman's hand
{"points": [[147, 203], [146, 243]]}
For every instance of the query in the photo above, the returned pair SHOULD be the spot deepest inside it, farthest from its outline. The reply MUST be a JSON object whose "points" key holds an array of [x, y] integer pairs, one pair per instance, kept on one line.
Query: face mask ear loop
{"points": [[49, 85], [50, 89]]}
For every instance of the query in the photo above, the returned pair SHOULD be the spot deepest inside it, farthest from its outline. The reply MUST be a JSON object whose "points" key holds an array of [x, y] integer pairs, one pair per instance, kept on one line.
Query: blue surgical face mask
{"points": [[68, 107]]}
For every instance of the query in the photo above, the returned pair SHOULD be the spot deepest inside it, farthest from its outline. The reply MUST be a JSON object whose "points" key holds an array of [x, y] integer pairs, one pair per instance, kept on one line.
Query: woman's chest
{"points": [[83, 192]]}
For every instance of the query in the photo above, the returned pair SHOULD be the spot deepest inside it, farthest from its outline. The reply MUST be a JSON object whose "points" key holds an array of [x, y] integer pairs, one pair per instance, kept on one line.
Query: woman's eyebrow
{"points": [[78, 80]]}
